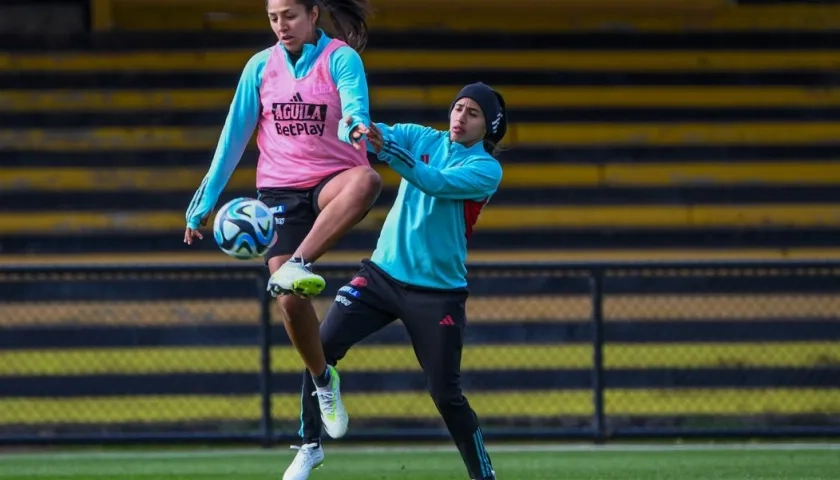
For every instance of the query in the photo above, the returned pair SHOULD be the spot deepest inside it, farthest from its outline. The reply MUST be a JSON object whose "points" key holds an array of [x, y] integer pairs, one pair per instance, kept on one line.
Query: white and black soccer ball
{"points": [[244, 228]]}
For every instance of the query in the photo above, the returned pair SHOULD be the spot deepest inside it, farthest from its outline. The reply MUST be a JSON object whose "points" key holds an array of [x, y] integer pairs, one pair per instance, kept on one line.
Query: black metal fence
{"points": [[94, 354]]}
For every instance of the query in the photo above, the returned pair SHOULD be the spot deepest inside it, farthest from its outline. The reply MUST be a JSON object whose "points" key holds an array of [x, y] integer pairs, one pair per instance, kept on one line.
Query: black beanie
{"points": [[492, 105]]}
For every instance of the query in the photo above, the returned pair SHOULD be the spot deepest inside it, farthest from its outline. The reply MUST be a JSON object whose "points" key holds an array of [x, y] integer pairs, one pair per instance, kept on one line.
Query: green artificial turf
{"points": [[422, 463]]}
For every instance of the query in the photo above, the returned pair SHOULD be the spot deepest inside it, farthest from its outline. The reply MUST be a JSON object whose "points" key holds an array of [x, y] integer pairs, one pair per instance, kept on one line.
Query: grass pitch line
{"points": [[419, 449]]}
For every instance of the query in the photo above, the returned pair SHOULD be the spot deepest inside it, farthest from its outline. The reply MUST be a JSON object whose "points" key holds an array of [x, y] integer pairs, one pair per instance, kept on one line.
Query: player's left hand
{"points": [[358, 132]]}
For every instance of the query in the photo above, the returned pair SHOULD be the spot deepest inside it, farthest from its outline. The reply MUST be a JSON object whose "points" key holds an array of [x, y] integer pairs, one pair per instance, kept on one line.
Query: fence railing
{"points": [[93, 354]]}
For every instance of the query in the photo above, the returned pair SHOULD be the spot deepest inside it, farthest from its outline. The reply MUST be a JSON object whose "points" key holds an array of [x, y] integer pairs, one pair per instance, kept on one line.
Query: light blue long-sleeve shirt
{"points": [[348, 73], [424, 239]]}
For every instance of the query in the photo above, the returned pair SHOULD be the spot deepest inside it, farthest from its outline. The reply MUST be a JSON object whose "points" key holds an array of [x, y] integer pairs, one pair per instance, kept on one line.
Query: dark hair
{"points": [[349, 19], [492, 148]]}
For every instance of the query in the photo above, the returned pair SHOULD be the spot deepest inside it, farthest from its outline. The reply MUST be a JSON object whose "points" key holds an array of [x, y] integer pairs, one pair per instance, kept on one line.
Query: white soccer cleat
{"points": [[333, 415], [309, 457], [295, 278]]}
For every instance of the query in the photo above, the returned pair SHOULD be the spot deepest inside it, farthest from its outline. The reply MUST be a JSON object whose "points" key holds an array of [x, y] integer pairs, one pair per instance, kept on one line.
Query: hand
{"points": [[375, 138], [357, 133], [190, 233]]}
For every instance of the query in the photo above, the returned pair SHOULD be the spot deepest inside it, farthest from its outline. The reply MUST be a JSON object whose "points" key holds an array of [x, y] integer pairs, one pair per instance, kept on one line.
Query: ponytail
{"points": [[349, 20], [493, 148]]}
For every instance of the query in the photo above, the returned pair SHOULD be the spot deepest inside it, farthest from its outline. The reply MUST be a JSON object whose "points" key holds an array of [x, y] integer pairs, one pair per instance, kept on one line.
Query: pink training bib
{"points": [[298, 128]]}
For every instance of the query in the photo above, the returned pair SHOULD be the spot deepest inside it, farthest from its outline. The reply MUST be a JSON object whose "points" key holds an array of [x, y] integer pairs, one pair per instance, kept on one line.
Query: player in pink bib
{"points": [[298, 135], [312, 169]]}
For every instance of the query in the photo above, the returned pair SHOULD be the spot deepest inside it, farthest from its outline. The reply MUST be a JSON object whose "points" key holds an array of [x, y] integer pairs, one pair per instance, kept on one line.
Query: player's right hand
{"points": [[189, 234], [375, 138]]}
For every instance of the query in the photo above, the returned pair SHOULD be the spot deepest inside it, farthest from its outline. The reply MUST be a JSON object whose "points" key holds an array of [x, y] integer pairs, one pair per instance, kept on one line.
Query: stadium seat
{"points": [[682, 126]]}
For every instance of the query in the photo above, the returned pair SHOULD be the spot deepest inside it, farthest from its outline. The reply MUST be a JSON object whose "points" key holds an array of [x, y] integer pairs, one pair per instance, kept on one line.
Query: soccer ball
{"points": [[244, 228]]}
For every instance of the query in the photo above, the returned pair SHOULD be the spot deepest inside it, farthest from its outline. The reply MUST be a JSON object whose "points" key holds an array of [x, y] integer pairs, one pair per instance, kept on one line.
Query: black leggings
{"points": [[435, 321]]}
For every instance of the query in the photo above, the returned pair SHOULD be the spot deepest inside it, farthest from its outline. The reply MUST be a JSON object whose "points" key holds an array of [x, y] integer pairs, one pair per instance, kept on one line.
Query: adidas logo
{"points": [[495, 123], [447, 320], [296, 99]]}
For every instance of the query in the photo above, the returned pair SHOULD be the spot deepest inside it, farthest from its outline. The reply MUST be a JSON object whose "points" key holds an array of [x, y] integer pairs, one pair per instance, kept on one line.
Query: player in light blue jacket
{"points": [[417, 272]]}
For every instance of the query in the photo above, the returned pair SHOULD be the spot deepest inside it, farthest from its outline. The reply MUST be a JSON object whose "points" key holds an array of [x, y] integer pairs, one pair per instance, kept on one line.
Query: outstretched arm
{"points": [[349, 76], [241, 120], [476, 178], [403, 134]]}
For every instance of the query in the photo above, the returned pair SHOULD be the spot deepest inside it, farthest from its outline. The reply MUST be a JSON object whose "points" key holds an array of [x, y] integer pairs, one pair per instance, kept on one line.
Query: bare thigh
{"points": [[344, 179]]}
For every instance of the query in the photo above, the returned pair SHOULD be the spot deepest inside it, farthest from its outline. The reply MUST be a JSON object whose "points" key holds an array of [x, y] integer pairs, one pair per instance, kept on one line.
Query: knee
{"points": [[447, 398], [292, 307], [369, 183]]}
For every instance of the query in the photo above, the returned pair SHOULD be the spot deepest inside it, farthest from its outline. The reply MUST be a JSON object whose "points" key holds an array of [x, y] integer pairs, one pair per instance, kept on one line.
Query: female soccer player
{"points": [[312, 169], [417, 272]]}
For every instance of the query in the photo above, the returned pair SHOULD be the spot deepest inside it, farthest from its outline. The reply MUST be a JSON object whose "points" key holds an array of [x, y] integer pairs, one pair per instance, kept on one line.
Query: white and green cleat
{"points": [[333, 415], [309, 457], [296, 278]]}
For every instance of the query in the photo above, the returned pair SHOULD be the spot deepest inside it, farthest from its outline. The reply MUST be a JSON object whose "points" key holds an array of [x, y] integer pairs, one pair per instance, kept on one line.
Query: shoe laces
{"points": [[302, 264], [305, 451], [327, 398]]}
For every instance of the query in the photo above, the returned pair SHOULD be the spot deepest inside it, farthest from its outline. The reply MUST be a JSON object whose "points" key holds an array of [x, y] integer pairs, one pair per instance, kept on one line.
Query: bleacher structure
{"points": [[695, 126]]}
